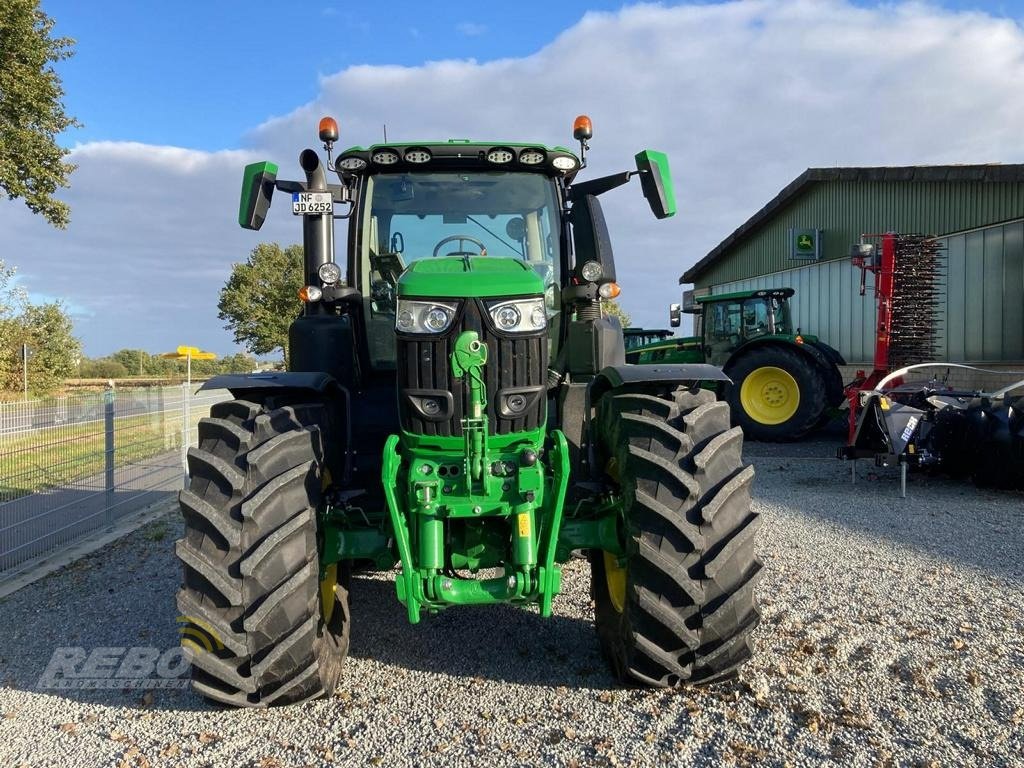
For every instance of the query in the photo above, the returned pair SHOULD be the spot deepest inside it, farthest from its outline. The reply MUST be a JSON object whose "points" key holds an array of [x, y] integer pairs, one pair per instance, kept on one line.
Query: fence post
{"points": [[186, 432], [108, 452]]}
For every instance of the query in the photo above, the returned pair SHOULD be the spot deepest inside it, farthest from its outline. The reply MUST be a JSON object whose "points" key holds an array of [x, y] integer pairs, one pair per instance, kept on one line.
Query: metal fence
{"points": [[74, 466]]}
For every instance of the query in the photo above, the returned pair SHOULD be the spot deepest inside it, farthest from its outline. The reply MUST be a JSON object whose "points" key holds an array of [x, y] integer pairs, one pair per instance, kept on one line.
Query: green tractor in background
{"points": [[784, 383], [636, 338], [457, 405]]}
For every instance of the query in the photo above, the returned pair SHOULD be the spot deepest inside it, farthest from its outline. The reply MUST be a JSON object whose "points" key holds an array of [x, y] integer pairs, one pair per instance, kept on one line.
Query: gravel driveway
{"points": [[893, 634]]}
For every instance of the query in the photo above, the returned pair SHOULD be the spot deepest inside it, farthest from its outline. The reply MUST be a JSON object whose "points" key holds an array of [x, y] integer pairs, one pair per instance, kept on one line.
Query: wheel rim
{"points": [[770, 395], [328, 584], [615, 579]]}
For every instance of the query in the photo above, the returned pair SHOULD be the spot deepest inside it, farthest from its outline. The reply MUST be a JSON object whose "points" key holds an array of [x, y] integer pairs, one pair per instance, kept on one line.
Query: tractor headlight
{"points": [[531, 157], [500, 155], [591, 271], [385, 157], [564, 163], [518, 315], [423, 316], [329, 273], [350, 163]]}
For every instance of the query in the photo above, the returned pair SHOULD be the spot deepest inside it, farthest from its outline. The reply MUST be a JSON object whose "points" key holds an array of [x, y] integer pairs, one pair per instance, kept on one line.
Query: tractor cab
{"points": [[728, 321], [444, 215]]}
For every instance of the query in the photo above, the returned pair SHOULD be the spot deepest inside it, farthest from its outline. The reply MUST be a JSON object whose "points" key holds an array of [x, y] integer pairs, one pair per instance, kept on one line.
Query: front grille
{"points": [[516, 365]]}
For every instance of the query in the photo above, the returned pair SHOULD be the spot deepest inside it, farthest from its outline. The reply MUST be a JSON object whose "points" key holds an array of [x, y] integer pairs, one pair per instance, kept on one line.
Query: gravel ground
{"points": [[893, 634]]}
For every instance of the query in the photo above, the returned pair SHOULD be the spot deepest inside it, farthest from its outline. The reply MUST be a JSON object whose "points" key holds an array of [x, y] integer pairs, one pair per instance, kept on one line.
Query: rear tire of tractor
{"points": [[685, 610], [252, 594], [777, 401], [995, 437]]}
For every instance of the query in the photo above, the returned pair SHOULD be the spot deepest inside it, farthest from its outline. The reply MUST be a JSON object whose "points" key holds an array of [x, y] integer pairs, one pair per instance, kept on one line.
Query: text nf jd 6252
{"points": [[457, 405]]}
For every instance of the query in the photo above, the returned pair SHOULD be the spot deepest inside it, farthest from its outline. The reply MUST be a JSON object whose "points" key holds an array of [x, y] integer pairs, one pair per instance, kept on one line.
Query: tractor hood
{"points": [[471, 276]]}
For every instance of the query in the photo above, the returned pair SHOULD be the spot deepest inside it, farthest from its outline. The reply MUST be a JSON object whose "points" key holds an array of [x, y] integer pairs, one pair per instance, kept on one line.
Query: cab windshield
{"points": [[411, 216]]}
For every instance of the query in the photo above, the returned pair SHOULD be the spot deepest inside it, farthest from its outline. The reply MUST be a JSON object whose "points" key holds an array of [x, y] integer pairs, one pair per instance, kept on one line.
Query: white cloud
{"points": [[743, 96], [471, 28]]}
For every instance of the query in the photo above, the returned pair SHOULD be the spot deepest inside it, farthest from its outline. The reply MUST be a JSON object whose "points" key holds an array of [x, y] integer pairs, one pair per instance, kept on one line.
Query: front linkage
{"points": [[476, 482]]}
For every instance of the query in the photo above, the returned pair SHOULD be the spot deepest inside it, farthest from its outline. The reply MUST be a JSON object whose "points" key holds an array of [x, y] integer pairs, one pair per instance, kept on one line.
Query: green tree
{"points": [[32, 164], [55, 352], [134, 360], [102, 368], [611, 308], [12, 302], [261, 297], [238, 363]]}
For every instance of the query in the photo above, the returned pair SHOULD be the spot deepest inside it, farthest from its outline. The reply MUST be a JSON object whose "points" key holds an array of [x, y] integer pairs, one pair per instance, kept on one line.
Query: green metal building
{"points": [[802, 239]]}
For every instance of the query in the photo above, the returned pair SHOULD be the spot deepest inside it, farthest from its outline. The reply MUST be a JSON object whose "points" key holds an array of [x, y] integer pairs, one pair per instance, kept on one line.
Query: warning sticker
{"points": [[523, 518]]}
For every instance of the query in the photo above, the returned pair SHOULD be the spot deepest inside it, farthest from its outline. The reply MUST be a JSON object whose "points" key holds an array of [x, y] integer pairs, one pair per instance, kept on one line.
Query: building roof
{"points": [[994, 172]]}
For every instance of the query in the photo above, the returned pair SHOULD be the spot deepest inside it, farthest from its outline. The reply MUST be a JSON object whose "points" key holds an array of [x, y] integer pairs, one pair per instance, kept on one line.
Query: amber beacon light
{"points": [[582, 128], [328, 130]]}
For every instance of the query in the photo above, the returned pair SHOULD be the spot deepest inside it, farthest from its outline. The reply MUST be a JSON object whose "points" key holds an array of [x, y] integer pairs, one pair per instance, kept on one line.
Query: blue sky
{"points": [[177, 97], [237, 63], [201, 74]]}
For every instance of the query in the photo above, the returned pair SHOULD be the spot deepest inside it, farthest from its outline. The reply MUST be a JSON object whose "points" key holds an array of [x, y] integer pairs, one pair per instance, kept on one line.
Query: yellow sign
{"points": [[523, 519], [186, 352]]}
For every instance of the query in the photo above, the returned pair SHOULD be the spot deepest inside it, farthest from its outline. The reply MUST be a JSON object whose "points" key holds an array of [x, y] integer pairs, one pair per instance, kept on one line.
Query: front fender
{"points": [[241, 382], [617, 376]]}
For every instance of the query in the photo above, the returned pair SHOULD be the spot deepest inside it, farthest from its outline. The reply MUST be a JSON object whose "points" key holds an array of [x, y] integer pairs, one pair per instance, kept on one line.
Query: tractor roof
{"points": [[461, 154], [634, 331], [764, 293]]}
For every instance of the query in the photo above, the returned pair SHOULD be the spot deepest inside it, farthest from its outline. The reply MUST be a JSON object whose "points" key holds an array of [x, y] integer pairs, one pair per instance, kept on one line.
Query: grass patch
{"points": [[155, 532]]}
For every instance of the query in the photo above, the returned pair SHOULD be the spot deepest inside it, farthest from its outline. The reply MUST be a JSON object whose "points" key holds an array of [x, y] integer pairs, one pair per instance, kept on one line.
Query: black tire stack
{"points": [[995, 435], [250, 556], [691, 567]]}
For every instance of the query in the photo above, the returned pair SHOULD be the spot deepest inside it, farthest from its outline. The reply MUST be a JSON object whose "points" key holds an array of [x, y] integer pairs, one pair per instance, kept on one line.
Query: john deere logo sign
{"points": [[805, 244]]}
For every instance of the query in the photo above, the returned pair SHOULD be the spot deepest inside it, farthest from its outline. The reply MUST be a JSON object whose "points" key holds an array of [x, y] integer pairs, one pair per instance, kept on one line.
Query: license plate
{"points": [[311, 203]]}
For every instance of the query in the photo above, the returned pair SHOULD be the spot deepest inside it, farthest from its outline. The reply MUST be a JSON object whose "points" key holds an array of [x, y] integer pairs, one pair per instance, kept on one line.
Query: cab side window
{"points": [[755, 318], [725, 323]]}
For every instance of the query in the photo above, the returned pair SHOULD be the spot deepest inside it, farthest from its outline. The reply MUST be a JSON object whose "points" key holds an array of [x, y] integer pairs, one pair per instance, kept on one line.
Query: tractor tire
{"points": [[777, 394], [680, 608], [995, 438], [273, 628]]}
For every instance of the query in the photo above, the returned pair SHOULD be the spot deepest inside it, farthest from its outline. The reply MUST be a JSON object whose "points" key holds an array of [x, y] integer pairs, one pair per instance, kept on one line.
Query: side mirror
{"points": [[257, 190], [656, 181], [675, 315]]}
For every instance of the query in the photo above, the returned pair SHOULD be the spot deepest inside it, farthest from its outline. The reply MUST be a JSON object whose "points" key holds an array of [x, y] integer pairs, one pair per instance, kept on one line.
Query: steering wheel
{"points": [[461, 239]]}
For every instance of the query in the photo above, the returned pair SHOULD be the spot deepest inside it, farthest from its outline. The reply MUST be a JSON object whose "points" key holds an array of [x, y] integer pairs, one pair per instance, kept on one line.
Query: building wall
{"points": [[983, 315], [845, 209]]}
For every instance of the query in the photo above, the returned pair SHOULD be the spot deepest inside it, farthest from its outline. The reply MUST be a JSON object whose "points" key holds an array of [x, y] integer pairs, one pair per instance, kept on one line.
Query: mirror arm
{"points": [[599, 186]]}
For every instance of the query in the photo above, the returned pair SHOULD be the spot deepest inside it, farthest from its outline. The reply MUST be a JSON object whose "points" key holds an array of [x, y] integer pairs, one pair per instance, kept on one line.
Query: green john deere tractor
{"points": [[456, 405], [784, 383], [636, 338]]}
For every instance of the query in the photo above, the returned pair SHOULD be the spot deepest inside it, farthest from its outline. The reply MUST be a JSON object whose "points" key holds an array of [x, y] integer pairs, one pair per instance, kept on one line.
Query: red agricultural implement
{"points": [[965, 432]]}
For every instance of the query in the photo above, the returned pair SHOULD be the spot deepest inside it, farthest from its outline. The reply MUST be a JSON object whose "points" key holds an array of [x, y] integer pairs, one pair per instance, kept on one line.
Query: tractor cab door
{"points": [[758, 319], [723, 330]]}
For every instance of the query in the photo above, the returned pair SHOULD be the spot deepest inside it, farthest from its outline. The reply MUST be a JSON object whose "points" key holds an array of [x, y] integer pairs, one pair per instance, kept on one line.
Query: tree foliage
{"points": [[46, 329], [260, 299], [126, 363], [611, 308], [32, 164], [103, 368]]}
